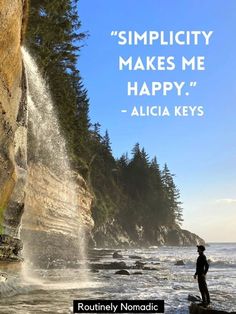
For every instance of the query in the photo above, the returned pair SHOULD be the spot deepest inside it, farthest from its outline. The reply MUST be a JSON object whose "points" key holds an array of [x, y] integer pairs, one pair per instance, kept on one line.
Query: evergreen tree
{"points": [[171, 198], [138, 172], [54, 38], [156, 194], [133, 191], [106, 141]]}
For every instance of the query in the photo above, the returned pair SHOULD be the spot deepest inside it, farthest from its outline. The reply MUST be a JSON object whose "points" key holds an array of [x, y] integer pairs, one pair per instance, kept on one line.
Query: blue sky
{"points": [[201, 151]]}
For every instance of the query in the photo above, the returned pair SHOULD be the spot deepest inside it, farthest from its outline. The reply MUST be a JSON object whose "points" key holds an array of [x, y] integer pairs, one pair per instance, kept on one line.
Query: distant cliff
{"points": [[113, 234]]}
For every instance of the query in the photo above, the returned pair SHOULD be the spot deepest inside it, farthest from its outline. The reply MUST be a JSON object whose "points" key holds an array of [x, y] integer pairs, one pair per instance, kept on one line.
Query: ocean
{"points": [[53, 290]]}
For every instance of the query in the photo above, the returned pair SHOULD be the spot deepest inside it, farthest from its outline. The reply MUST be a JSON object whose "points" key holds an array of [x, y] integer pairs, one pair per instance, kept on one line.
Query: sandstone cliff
{"points": [[31, 190], [48, 230], [13, 118]]}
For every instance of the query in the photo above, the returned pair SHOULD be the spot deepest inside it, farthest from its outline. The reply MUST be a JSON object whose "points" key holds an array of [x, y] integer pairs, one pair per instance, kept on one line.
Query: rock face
{"points": [[113, 235], [177, 237], [13, 117], [9, 248], [45, 202], [48, 232], [30, 191]]}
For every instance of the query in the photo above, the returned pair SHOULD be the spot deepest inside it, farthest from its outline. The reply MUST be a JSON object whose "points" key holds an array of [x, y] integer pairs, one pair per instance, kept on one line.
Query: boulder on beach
{"points": [[194, 298], [135, 257], [139, 264], [180, 263], [122, 272], [118, 265], [117, 255], [149, 268], [113, 265], [94, 271]]}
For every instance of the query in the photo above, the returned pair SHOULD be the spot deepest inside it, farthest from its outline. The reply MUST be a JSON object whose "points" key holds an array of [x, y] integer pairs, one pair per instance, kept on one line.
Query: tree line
{"points": [[134, 191]]}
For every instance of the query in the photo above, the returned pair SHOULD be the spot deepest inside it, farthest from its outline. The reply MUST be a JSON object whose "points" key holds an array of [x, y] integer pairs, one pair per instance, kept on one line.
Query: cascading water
{"points": [[49, 144], [47, 149]]}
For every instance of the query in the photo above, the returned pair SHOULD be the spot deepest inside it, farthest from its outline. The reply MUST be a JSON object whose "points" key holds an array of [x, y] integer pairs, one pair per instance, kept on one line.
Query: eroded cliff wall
{"points": [[31, 190], [49, 231], [13, 117]]}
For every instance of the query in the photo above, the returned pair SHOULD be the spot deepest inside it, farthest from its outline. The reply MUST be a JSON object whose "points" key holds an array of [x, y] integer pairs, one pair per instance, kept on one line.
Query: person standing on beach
{"points": [[202, 267]]}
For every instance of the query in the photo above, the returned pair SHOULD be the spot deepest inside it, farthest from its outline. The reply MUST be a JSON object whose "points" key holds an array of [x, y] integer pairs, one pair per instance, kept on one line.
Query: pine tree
{"points": [[171, 198], [106, 141], [54, 38], [134, 191]]}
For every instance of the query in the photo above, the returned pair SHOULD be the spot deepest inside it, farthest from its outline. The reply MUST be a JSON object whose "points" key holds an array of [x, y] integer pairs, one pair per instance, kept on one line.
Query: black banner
{"points": [[118, 306]]}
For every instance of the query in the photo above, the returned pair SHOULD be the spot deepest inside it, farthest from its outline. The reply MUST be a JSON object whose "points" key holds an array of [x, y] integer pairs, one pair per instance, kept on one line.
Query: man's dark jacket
{"points": [[202, 265]]}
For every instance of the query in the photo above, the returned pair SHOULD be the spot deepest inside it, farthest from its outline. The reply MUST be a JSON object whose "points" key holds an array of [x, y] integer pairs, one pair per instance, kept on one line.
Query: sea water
{"points": [[167, 281]]}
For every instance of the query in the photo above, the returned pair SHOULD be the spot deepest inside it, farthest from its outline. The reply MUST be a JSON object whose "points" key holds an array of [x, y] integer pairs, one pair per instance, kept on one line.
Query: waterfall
{"points": [[52, 207], [49, 146]]}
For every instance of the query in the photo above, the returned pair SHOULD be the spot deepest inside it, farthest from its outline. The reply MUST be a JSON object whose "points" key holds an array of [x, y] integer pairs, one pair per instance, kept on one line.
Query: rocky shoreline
{"points": [[117, 264], [10, 248], [133, 265], [196, 309], [52, 247]]}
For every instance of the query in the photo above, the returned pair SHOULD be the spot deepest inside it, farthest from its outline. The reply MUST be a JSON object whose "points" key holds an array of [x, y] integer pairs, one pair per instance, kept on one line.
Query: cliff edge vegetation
{"points": [[132, 194]]}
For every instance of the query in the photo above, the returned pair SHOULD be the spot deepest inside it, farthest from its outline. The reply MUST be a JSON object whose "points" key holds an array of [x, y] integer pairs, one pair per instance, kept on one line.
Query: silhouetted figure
{"points": [[202, 267]]}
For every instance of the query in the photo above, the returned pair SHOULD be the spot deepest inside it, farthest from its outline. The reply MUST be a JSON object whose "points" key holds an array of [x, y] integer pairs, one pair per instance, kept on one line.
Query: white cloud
{"points": [[226, 201]]}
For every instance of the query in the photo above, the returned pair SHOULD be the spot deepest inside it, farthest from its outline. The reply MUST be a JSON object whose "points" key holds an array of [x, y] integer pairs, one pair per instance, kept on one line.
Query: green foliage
{"points": [[54, 38], [171, 198], [133, 191], [152, 198]]}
